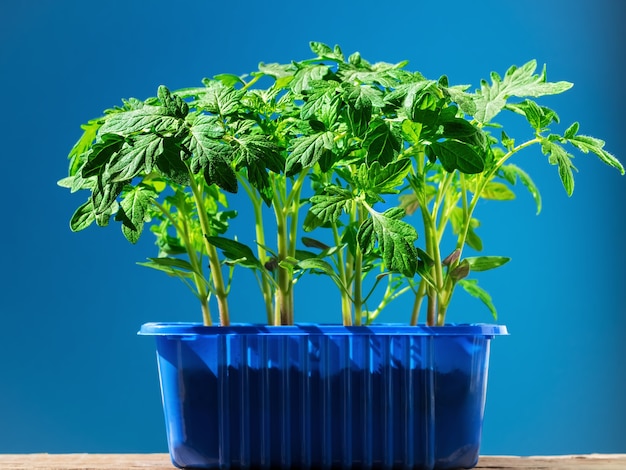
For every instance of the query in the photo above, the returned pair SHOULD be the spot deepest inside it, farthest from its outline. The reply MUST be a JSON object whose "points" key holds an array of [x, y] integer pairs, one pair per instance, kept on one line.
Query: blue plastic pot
{"points": [[323, 397]]}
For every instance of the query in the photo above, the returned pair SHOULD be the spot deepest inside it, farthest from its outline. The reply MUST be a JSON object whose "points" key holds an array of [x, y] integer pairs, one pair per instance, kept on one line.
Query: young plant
{"points": [[334, 136], [457, 161]]}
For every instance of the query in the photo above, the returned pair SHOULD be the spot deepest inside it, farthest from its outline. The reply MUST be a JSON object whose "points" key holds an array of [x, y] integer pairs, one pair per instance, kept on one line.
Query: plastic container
{"points": [[323, 397]]}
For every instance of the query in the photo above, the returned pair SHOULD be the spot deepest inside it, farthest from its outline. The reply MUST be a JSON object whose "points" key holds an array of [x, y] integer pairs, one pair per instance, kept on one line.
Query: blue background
{"points": [[74, 377]]}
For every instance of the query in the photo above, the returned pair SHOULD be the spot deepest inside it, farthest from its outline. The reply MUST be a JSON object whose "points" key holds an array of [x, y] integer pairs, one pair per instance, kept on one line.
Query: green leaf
{"points": [[237, 252], [220, 99], [173, 103], [305, 76], [484, 263], [212, 157], [526, 180], [558, 156], [471, 287], [148, 119], [395, 239], [586, 144], [83, 145], [456, 155], [329, 206], [325, 52], [83, 217], [137, 156], [519, 82], [173, 266], [100, 154], [382, 142], [462, 130], [539, 117], [306, 151], [457, 220], [412, 131], [133, 211], [377, 179], [258, 154], [497, 192]]}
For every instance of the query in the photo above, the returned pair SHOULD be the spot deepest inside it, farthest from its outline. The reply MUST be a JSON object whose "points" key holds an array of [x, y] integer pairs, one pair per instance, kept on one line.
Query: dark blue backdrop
{"points": [[74, 377]]}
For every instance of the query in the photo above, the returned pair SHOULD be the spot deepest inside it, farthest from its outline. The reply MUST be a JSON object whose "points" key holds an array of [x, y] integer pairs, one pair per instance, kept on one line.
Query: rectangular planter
{"points": [[323, 397]]}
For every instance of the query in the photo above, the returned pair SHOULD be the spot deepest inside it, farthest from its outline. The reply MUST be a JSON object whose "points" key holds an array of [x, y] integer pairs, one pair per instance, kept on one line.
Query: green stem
{"points": [[194, 259], [214, 264], [257, 207], [357, 294], [417, 304], [343, 270]]}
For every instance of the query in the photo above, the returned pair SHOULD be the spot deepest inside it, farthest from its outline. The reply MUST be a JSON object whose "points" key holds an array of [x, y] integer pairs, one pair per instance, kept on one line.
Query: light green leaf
{"points": [[484, 263], [526, 180], [519, 82], [586, 144], [558, 156], [471, 287], [172, 266], [497, 191], [83, 217]]}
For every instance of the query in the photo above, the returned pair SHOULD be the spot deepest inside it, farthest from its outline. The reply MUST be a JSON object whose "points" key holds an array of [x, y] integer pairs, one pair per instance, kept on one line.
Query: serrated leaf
{"points": [[148, 119], [329, 206], [484, 263], [586, 143], [212, 157], [258, 155], [395, 239], [519, 82], [100, 154], [306, 151], [471, 287], [137, 156], [83, 145], [571, 131], [221, 99], [134, 210], [305, 76], [558, 156], [377, 179], [456, 155]]}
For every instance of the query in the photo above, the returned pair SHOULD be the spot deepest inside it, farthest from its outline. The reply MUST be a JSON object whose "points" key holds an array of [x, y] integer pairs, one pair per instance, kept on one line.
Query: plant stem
{"points": [[417, 304], [257, 206], [214, 264], [195, 260]]}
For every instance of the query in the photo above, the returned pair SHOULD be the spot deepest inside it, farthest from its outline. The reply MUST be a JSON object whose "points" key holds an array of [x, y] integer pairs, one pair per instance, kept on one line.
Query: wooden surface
{"points": [[162, 462]]}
